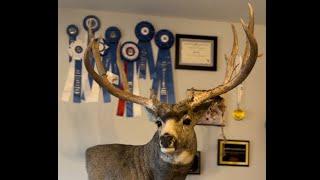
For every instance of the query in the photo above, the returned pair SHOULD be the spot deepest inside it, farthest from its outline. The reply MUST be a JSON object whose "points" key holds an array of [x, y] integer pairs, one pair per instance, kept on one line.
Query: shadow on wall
{"points": [[81, 128], [105, 122]]}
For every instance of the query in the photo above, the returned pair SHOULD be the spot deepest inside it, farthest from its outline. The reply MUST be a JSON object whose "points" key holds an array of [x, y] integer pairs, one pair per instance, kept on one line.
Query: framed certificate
{"points": [[195, 52]]}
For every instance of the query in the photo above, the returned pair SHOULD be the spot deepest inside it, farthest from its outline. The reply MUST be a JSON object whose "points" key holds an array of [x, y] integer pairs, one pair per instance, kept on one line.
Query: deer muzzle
{"points": [[167, 143]]}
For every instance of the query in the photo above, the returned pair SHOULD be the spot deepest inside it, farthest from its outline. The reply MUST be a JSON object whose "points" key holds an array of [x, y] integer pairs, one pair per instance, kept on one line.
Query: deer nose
{"points": [[166, 140]]}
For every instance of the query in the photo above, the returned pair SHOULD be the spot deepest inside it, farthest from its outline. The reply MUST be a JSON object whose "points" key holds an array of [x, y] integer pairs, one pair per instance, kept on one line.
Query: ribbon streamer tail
{"points": [[129, 69], [150, 61], [136, 107], [68, 87], [77, 84], [92, 93]]}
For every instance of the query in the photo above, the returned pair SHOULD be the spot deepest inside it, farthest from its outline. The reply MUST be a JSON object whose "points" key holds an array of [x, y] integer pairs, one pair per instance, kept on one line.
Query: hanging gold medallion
{"points": [[239, 114]]}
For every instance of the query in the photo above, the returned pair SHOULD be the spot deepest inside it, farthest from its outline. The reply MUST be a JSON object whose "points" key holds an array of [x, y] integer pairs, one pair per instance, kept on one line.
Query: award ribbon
{"points": [[106, 60], [93, 91], [112, 37], [68, 87], [145, 32], [164, 76], [76, 51], [129, 53], [92, 23], [73, 32]]}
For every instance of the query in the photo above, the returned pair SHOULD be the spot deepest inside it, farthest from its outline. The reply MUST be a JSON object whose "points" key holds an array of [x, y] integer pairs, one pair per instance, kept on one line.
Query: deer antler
{"points": [[231, 60], [197, 97], [103, 81], [123, 75]]}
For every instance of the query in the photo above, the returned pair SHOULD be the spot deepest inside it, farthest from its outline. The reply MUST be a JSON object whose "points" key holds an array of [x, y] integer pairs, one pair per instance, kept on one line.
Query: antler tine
{"points": [[231, 60], [100, 67], [123, 75], [103, 81], [251, 29], [199, 96]]}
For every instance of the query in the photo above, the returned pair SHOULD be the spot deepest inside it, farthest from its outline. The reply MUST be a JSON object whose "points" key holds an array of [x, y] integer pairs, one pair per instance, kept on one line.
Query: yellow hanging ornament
{"points": [[239, 114]]}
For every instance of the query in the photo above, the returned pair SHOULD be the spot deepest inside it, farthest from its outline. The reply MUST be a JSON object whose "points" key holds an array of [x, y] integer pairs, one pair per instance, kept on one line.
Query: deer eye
{"points": [[159, 124], [187, 122]]}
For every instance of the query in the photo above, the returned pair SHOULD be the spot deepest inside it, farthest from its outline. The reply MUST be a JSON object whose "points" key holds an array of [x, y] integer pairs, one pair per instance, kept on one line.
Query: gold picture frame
{"points": [[233, 152]]}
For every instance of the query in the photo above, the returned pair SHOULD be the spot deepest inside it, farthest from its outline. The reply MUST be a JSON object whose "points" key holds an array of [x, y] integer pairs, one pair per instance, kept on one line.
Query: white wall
{"points": [[84, 125]]}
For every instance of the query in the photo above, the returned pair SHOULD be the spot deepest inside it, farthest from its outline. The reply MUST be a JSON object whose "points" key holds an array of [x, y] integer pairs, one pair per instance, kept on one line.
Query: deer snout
{"points": [[167, 141]]}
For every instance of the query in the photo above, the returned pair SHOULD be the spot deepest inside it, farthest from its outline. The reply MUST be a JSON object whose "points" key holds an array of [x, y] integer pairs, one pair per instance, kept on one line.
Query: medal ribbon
{"points": [[71, 40], [72, 31], [164, 75], [121, 102], [112, 37], [91, 87], [91, 60], [129, 71], [91, 24], [75, 81], [144, 31], [68, 87], [106, 60], [130, 53], [136, 107], [77, 92], [92, 94], [110, 62], [145, 58], [114, 69]]}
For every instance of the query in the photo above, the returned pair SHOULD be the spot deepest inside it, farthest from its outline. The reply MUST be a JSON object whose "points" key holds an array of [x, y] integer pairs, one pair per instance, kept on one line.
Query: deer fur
{"points": [[150, 161]]}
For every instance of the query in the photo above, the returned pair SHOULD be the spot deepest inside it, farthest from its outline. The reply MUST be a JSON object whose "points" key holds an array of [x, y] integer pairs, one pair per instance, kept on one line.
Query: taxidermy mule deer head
{"points": [[169, 154]]}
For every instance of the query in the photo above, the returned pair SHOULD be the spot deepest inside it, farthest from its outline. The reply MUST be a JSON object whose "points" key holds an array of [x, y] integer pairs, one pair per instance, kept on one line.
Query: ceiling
{"points": [[219, 10]]}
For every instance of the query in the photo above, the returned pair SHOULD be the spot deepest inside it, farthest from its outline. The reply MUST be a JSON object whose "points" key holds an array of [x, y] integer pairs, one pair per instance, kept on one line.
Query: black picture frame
{"points": [[236, 153], [213, 61], [195, 168]]}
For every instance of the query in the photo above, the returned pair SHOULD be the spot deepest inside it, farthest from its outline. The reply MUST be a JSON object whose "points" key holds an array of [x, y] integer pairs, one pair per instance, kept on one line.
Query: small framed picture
{"points": [[196, 52], [233, 152], [195, 168]]}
